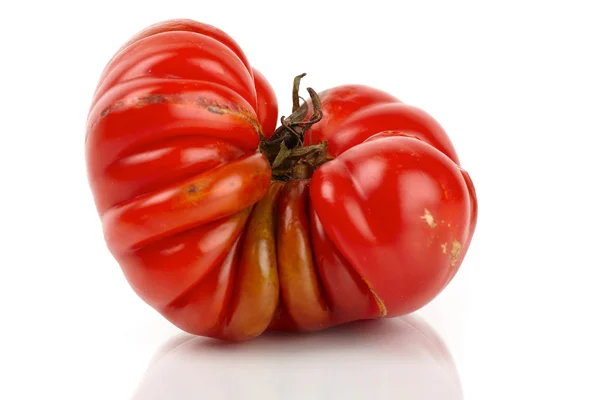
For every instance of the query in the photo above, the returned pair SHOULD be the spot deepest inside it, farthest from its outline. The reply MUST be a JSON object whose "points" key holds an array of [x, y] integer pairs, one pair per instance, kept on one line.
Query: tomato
{"points": [[355, 208], [409, 209]]}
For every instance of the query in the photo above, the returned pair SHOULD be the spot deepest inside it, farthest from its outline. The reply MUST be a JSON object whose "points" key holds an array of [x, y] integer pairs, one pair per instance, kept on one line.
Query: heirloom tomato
{"points": [[356, 207]]}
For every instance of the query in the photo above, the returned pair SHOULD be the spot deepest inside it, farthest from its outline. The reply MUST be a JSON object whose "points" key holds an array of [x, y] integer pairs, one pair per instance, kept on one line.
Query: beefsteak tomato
{"points": [[355, 208]]}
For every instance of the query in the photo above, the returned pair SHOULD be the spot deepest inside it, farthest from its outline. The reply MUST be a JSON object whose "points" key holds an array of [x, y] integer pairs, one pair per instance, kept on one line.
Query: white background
{"points": [[516, 84]]}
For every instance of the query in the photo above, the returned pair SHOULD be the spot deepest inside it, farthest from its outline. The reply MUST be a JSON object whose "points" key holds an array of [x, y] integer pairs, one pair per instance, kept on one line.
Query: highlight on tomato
{"points": [[356, 207]]}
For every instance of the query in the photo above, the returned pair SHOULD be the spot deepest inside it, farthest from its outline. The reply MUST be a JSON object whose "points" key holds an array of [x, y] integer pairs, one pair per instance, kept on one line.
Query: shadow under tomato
{"points": [[395, 358]]}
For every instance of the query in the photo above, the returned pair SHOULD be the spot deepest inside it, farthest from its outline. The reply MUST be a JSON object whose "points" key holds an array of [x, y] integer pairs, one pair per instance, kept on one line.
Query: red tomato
{"points": [[227, 241], [409, 209]]}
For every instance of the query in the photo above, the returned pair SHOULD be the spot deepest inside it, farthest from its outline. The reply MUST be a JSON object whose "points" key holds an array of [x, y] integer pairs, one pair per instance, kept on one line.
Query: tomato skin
{"points": [[300, 287], [171, 159], [266, 104], [353, 113], [188, 25], [340, 103], [256, 295], [349, 296], [405, 221], [207, 237], [266, 100], [394, 169], [190, 278], [206, 197]]}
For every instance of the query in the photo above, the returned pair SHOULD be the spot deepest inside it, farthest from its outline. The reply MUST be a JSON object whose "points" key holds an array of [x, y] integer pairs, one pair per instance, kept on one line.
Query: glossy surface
{"points": [[506, 82], [406, 221], [300, 287], [256, 295], [394, 203], [204, 235], [353, 113], [266, 104], [170, 148]]}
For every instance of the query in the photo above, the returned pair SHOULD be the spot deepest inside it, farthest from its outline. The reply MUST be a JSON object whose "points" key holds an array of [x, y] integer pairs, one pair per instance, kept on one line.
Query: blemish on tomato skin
{"points": [[445, 248], [114, 107], [455, 252], [428, 218], [444, 190], [215, 110], [195, 189], [378, 300], [210, 105], [153, 98]]}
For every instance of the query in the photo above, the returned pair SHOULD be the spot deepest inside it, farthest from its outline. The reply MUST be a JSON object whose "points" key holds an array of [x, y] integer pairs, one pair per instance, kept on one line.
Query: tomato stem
{"points": [[285, 150], [295, 92]]}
